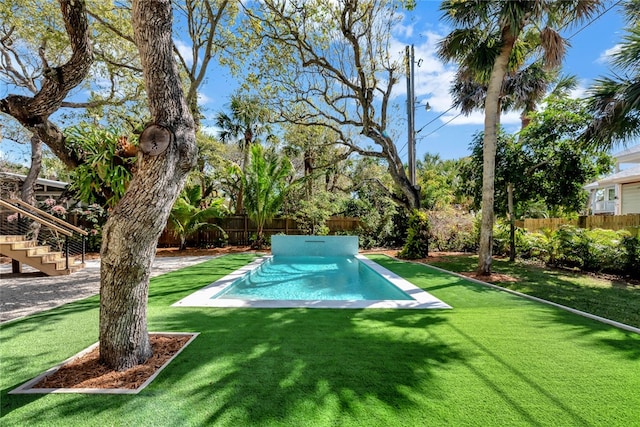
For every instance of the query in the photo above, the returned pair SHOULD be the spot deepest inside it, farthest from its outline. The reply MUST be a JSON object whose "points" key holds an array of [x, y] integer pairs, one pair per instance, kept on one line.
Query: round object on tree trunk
{"points": [[155, 139]]}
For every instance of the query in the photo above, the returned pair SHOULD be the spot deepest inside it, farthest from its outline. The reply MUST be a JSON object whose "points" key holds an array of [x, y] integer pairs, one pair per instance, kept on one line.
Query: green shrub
{"points": [[452, 230], [604, 250], [540, 245], [632, 260], [417, 244], [590, 250]]}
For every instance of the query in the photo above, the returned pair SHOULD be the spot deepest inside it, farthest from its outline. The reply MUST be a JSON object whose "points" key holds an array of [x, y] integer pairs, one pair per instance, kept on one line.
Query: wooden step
{"points": [[12, 238], [38, 257]]}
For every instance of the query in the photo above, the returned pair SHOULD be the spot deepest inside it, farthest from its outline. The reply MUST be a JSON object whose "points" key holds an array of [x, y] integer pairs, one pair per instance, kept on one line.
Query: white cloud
{"points": [[210, 130], [185, 51], [477, 118], [579, 92], [203, 99], [605, 57]]}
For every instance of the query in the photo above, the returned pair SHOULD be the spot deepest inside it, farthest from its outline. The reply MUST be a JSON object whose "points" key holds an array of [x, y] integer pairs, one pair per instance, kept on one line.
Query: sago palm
{"points": [[265, 181], [188, 214]]}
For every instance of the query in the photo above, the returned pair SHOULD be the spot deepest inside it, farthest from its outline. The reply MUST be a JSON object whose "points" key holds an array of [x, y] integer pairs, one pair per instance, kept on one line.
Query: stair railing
{"points": [[51, 222]]}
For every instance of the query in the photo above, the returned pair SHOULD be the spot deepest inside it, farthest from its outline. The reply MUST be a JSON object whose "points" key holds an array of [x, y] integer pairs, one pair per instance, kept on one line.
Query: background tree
{"points": [[335, 59], [615, 100], [246, 121], [440, 182], [545, 163], [265, 181], [484, 43], [55, 82]]}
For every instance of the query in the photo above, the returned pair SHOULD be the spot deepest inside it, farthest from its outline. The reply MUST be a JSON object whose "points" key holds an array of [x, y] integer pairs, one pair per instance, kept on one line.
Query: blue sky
{"points": [[423, 28], [586, 58]]}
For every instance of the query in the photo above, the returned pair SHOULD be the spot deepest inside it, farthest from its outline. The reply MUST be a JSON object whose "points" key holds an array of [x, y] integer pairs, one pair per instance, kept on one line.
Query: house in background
{"points": [[11, 187], [619, 193]]}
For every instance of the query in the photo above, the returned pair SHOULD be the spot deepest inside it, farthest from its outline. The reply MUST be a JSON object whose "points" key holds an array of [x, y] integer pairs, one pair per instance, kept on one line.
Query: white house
{"points": [[618, 194]]}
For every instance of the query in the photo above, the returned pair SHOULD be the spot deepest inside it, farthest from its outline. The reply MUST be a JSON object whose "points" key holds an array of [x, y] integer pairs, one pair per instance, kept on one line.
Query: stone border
{"points": [[26, 388]]}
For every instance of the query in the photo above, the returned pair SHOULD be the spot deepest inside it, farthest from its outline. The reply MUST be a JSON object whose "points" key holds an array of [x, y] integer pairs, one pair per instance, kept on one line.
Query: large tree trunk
{"points": [[491, 123], [131, 234]]}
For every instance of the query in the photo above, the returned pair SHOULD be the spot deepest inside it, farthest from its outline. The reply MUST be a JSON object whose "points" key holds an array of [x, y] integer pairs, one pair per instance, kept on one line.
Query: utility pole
{"points": [[411, 134]]}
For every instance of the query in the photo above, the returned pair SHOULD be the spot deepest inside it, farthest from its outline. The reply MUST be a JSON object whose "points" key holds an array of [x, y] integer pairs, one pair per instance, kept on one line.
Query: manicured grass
{"points": [[493, 360], [610, 299]]}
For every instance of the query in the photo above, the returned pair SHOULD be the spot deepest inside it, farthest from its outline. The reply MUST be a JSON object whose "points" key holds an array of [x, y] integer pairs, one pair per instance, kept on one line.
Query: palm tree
{"points": [[492, 38], [190, 214], [265, 183], [615, 101], [245, 122]]}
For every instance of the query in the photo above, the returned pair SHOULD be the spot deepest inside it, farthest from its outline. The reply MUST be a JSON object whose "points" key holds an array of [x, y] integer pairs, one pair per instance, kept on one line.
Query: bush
{"points": [[452, 230], [417, 244], [632, 261], [594, 250]]}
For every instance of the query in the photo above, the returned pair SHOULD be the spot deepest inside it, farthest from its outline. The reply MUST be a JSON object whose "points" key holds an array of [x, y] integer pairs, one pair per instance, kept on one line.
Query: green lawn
{"points": [[615, 300], [493, 360]]}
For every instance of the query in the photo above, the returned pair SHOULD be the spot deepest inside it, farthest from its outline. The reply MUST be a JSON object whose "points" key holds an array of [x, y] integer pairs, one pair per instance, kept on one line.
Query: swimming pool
{"points": [[313, 278], [314, 282]]}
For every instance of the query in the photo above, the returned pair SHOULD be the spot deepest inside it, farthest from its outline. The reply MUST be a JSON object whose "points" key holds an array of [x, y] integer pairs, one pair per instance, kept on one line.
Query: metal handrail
{"points": [[50, 217], [36, 218], [63, 227]]}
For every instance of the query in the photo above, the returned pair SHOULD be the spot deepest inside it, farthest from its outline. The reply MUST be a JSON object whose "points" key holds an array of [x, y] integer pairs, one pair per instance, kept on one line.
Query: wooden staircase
{"points": [[23, 251], [15, 245]]}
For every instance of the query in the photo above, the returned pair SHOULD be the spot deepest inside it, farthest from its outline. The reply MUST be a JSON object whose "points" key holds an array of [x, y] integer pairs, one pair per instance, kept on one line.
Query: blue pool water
{"points": [[312, 278]]}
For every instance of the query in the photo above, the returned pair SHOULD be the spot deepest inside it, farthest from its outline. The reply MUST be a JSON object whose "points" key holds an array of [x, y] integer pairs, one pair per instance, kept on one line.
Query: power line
{"points": [[617, 3]]}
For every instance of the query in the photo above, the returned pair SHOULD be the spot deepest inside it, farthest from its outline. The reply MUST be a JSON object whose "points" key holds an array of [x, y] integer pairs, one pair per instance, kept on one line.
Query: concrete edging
{"points": [[27, 388], [540, 300]]}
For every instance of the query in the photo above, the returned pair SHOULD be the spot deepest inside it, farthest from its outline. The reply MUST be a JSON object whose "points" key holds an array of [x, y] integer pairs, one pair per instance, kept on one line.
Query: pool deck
{"points": [[204, 297]]}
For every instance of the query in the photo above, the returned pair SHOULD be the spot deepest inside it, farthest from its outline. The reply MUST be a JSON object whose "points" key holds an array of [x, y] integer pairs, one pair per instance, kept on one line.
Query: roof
{"points": [[41, 181], [622, 177], [630, 155]]}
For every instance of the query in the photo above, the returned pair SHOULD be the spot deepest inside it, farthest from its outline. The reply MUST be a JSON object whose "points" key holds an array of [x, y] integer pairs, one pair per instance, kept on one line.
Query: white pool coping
{"points": [[204, 297]]}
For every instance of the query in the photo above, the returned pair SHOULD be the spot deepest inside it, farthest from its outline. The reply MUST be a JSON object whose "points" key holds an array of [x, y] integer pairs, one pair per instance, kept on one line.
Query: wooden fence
{"points": [[629, 222], [239, 230]]}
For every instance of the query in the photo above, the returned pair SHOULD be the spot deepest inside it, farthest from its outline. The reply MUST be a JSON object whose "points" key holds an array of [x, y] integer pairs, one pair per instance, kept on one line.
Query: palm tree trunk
{"points": [[512, 223], [491, 123]]}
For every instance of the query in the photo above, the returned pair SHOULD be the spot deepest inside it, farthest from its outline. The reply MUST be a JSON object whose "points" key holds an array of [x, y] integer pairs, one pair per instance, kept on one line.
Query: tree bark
{"points": [[131, 234], [28, 186], [491, 123]]}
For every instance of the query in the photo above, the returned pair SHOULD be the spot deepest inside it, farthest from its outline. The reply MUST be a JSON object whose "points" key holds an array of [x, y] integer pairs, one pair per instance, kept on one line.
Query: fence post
{"points": [[246, 229]]}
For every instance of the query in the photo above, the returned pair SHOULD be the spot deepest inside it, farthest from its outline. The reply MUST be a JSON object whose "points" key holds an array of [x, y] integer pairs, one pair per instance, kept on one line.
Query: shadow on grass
{"points": [[264, 366], [626, 344]]}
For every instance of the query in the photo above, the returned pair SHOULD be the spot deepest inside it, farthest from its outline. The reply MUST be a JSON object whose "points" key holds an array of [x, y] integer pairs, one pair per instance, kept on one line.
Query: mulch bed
{"points": [[88, 372]]}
